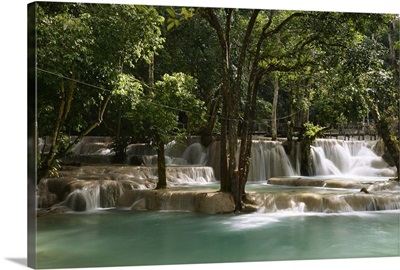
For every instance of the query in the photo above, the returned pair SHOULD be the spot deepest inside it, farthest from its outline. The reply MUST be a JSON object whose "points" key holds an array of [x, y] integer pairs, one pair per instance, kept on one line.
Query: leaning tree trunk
{"points": [[55, 153], [48, 162]]}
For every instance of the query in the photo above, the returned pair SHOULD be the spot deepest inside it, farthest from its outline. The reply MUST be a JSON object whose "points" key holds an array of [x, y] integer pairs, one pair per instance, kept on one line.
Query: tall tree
{"points": [[309, 40], [238, 59]]}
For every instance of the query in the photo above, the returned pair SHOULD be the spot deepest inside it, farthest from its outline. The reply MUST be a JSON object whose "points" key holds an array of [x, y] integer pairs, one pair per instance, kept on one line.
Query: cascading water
{"points": [[268, 159], [93, 146], [190, 167], [195, 154], [323, 216], [83, 199], [348, 158]]}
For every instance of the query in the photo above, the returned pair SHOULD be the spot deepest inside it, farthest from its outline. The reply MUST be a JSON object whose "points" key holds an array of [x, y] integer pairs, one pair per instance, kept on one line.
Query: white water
{"points": [[330, 158], [348, 158], [268, 158], [197, 167], [85, 198]]}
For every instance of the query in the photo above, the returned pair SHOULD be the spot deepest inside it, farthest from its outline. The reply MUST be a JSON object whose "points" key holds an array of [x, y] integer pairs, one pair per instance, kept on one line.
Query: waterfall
{"points": [[191, 166], [348, 158], [195, 154], [338, 152], [139, 175], [84, 199], [330, 157], [93, 146], [322, 165], [269, 159]]}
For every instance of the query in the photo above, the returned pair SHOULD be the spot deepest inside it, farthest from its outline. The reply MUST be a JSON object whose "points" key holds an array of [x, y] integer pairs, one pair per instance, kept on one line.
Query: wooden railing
{"points": [[345, 132]]}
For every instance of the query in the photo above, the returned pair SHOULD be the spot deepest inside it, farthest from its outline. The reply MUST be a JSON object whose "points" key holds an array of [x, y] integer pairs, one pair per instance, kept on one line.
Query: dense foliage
{"points": [[148, 74]]}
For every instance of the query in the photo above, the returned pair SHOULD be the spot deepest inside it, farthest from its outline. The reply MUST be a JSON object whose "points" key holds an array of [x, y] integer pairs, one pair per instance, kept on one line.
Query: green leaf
{"points": [[171, 12], [170, 25], [185, 12]]}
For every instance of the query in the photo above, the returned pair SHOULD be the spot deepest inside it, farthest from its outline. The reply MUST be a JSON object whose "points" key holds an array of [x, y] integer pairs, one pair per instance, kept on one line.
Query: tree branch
{"points": [[246, 41], [284, 23]]}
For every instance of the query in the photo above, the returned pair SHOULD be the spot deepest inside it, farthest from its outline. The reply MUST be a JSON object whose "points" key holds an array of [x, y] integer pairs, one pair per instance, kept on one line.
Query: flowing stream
{"points": [[324, 216]]}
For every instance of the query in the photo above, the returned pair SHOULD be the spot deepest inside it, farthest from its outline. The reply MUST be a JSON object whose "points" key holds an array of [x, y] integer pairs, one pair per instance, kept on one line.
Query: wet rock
{"points": [[46, 199], [313, 202], [295, 182], [249, 208], [157, 200], [217, 202], [136, 160], [282, 201], [139, 205], [51, 211], [110, 191], [48, 187]]}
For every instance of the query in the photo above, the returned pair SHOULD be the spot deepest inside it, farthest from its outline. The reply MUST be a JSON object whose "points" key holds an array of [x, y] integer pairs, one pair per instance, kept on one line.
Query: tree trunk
{"points": [[390, 141], [305, 158], [225, 185], [247, 133], [234, 173], [213, 104], [151, 73], [274, 129], [49, 161], [307, 139], [229, 111], [55, 154], [87, 131], [161, 167]]}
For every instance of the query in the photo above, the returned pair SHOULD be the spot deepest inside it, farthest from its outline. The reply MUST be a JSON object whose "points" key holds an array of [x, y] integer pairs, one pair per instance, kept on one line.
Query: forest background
{"points": [[13, 119], [152, 74]]}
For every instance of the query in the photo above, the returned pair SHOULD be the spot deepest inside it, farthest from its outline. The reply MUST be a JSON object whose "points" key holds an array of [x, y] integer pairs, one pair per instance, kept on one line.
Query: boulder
{"points": [[216, 202]]}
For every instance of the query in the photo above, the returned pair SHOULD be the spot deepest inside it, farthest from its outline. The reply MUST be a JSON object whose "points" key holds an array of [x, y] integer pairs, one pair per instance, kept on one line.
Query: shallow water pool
{"points": [[111, 237]]}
